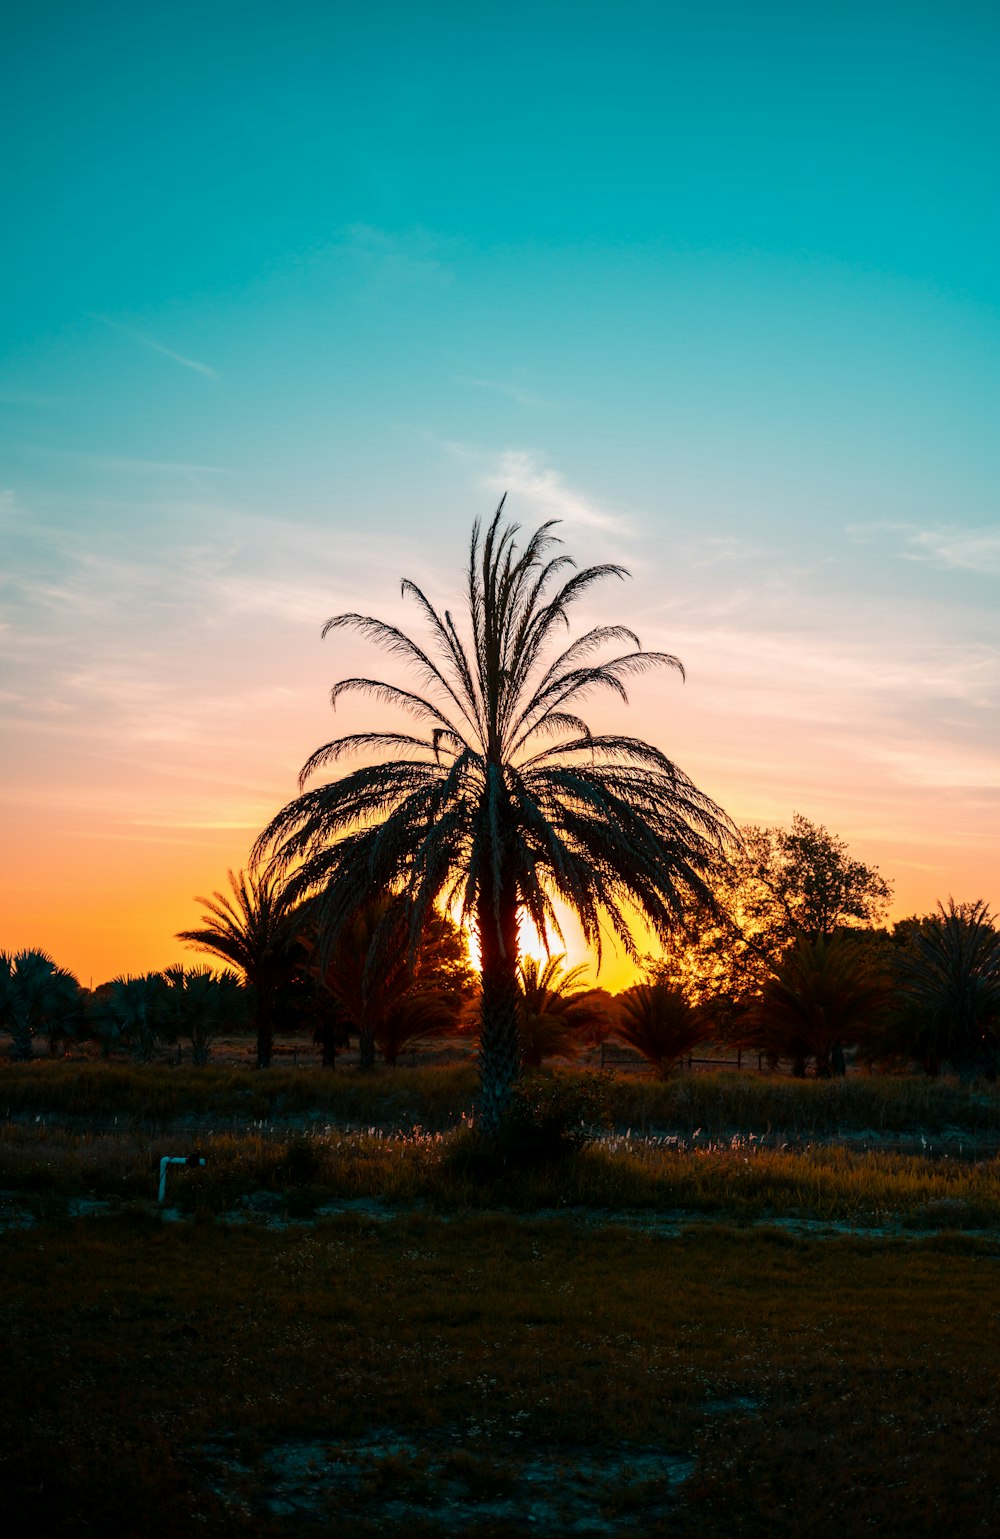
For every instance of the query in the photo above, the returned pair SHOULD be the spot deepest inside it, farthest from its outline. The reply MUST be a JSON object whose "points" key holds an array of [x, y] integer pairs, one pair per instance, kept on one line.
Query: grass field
{"points": [[717, 1103], [430, 1376], [662, 1335]]}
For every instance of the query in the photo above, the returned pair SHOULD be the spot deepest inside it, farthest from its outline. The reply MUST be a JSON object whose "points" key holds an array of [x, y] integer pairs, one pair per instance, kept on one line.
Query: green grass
{"points": [[156, 1378], [718, 1103]]}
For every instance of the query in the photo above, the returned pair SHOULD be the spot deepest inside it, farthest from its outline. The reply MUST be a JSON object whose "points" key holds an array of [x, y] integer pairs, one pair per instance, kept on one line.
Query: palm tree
{"points": [[660, 1022], [134, 1012], [36, 997], [555, 1009], [501, 799], [949, 982], [386, 1001], [201, 1004], [825, 992], [256, 932]]}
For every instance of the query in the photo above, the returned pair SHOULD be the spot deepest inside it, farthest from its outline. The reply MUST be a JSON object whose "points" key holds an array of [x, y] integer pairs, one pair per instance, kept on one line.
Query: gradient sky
{"points": [[292, 293]]}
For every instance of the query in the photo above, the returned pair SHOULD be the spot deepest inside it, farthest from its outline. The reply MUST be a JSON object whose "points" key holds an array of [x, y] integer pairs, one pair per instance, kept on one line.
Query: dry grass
{"points": [[829, 1389], [739, 1179], [419, 1375]]}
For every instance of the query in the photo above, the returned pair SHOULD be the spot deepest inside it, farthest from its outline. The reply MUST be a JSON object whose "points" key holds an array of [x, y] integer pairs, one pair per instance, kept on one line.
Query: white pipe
{"points": [[191, 1160]]}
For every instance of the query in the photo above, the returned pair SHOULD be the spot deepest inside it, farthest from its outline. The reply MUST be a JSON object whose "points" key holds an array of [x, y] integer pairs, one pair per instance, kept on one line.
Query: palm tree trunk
{"points": [[499, 1044], [20, 1040], [326, 1035], [265, 1031], [366, 1048]]}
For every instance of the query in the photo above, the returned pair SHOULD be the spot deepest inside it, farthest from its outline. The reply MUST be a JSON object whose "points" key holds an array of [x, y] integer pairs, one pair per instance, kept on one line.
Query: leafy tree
{"points": [[37, 998], [202, 1004], [781, 886], [133, 1012], [555, 1009], [802, 881], [661, 1022], [948, 981], [256, 932], [822, 995], [501, 798]]}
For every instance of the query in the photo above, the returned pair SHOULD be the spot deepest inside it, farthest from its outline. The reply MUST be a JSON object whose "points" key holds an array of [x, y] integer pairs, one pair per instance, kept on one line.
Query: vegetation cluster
{"points": [[501, 804]]}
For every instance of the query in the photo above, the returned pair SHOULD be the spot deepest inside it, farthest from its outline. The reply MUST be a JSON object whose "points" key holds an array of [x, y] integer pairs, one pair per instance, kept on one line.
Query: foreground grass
{"points": [[436, 1097], [154, 1375], [290, 1176]]}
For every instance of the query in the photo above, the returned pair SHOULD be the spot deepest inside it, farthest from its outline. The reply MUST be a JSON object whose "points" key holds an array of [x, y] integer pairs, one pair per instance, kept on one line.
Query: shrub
{"points": [[549, 1118]]}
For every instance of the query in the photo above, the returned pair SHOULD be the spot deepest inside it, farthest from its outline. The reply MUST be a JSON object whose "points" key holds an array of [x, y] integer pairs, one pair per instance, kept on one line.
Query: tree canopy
{"points": [[501, 799]]}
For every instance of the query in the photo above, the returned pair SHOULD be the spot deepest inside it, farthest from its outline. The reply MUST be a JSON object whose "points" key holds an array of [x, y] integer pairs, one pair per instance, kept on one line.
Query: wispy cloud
{"points": [[408, 256], [513, 392], [803, 674], [159, 347], [713, 550], [538, 488], [971, 548], [118, 463]]}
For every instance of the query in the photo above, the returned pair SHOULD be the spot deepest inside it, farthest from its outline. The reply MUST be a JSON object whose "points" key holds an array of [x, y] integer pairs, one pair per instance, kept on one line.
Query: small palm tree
{"points": [[202, 1004], [387, 1001], [255, 931], [826, 992], [661, 1023], [37, 998], [948, 978], [133, 1012], [501, 799], [555, 1009]]}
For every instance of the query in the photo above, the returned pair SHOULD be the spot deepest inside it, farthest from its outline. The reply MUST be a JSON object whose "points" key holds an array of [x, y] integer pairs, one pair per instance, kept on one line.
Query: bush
{"points": [[549, 1118]]}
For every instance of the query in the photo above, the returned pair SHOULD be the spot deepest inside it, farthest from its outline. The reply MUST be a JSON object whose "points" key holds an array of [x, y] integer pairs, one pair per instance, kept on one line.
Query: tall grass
{"points": [[436, 1097], [159, 1093], [724, 1102]]}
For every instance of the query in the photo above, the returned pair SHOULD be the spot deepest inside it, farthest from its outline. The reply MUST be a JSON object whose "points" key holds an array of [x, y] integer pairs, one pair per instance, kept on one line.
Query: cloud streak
{"points": [[974, 548], [513, 392], [154, 346]]}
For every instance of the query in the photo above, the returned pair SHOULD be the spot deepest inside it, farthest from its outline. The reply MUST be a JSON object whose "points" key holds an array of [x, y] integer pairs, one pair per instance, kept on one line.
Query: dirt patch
{"points": [[450, 1482]]}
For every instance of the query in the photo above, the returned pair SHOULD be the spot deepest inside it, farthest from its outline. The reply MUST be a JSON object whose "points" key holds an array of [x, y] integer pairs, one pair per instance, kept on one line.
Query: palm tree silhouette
{"points": [[134, 1012], [822, 994], [660, 1022], [382, 998], [556, 1008], [36, 996], [255, 931], [201, 1004], [949, 978], [501, 799]]}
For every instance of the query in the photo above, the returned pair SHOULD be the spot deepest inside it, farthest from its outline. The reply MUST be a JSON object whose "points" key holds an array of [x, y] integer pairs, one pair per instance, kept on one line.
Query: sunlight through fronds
{"points": [[508, 803]]}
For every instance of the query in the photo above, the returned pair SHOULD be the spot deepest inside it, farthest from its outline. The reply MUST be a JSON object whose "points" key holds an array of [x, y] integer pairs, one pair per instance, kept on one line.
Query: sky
{"points": [[292, 294]]}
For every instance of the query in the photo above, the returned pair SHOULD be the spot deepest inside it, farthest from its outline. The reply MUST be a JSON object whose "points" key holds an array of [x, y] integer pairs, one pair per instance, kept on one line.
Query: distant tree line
{"points": [[498, 801], [788, 959]]}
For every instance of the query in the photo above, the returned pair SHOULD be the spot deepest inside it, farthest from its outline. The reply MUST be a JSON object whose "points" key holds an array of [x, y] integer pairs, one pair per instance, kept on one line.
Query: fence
{"points": [[626, 1058]]}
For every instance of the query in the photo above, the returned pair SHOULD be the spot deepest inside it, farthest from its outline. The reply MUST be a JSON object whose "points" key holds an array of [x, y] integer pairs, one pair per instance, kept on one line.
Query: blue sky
{"points": [[292, 293]]}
